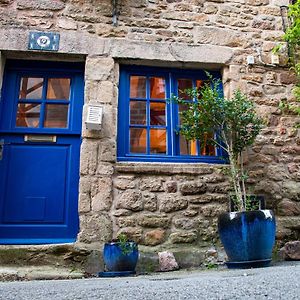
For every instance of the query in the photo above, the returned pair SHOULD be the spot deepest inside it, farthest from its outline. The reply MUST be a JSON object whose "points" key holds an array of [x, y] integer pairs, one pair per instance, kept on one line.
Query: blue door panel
{"points": [[28, 187], [39, 178]]}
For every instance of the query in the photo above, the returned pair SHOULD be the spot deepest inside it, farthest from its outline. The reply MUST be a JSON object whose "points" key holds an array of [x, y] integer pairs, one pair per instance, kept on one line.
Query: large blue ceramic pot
{"points": [[248, 237], [119, 257]]}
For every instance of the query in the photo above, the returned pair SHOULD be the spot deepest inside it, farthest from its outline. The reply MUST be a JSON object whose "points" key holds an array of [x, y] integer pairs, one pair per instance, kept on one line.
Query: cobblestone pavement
{"points": [[277, 282]]}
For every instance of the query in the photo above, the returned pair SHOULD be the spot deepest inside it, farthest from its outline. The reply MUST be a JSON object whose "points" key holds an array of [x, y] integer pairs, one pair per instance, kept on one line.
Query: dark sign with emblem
{"points": [[47, 41]]}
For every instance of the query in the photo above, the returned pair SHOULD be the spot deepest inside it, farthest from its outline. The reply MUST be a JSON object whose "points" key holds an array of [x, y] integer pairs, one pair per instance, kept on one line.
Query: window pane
{"points": [[199, 83], [157, 113], [181, 108], [138, 112], [206, 149], [157, 88], [58, 88], [187, 147], [138, 140], [137, 87], [56, 116], [31, 88], [28, 115], [184, 84], [158, 141]]}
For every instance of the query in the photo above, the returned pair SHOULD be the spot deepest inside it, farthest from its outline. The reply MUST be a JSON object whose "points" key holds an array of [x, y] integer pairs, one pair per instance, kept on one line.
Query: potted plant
{"points": [[120, 257], [232, 124]]}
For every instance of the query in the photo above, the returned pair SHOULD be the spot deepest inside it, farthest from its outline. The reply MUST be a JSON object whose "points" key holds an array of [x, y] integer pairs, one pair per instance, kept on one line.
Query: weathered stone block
{"points": [[190, 212], [154, 237], [185, 223], [272, 89], [218, 198], [169, 203], [100, 92], [132, 233], [41, 4], [85, 184], [105, 169], [167, 261], [212, 210], [154, 221], [66, 23], [126, 222], [107, 150], [287, 77], [88, 157], [288, 208], [192, 188], [153, 184], [181, 237], [95, 228], [150, 201], [131, 200], [101, 192], [277, 172], [171, 187], [125, 182], [99, 68], [291, 190], [291, 251], [218, 36]]}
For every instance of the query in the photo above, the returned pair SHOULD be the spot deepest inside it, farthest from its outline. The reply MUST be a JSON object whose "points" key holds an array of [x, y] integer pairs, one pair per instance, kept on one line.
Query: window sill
{"points": [[167, 168]]}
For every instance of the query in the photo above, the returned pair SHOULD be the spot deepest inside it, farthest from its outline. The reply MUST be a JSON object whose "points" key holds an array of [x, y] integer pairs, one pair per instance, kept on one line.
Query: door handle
{"points": [[1, 148]]}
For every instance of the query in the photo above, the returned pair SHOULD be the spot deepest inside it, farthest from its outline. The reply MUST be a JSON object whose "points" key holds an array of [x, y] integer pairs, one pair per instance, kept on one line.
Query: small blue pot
{"points": [[248, 236], [116, 260]]}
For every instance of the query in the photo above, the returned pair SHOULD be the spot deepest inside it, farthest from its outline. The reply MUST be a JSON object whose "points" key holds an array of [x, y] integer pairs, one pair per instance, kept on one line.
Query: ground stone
{"points": [[291, 251], [167, 261]]}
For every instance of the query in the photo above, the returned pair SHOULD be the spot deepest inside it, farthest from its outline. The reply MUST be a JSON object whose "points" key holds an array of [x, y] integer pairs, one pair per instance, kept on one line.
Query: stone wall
{"points": [[165, 206]]}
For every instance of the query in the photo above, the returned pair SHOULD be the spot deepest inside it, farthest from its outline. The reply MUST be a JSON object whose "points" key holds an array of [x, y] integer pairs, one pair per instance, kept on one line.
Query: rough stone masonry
{"points": [[169, 206]]}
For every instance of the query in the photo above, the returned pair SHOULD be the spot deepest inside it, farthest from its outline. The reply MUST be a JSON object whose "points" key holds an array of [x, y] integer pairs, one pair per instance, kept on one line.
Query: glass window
{"points": [[31, 88], [56, 116], [58, 88], [149, 122], [28, 115]]}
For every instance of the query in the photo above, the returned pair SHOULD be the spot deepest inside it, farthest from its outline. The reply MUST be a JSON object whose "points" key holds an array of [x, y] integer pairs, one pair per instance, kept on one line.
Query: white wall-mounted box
{"points": [[93, 119]]}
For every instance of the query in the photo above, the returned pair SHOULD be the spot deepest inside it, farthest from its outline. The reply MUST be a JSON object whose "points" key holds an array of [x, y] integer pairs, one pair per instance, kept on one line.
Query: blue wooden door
{"points": [[40, 138]]}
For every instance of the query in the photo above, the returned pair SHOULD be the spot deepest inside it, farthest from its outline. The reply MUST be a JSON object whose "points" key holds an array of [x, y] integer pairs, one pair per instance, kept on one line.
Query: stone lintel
{"points": [[211, 56], [207, 55]]}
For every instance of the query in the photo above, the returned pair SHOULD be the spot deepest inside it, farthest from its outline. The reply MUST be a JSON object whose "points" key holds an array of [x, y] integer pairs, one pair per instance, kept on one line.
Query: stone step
{"points": [[73, 260]]}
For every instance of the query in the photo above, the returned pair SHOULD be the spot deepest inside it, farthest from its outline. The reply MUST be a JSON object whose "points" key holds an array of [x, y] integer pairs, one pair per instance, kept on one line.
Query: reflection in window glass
{"points": [[206, 149], [157, 88], [137, 87], [181, 108], [28, 115], [58, 88], [184, 84], [56, 116], [187, 147], [31, 88], [138, 140], [158, 141], [138, 112], [157, 113]]}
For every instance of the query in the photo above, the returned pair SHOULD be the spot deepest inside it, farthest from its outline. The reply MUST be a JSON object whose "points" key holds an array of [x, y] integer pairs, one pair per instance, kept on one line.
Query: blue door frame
{"points": [[39, 166]]}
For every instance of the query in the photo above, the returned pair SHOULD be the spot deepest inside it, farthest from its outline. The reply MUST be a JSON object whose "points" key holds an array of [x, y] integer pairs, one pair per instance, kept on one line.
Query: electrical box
{"points": [[94, 117]]}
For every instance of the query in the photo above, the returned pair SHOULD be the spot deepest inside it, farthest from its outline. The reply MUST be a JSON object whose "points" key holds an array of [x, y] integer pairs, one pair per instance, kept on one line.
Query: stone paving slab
{"points": [[11, 273]]}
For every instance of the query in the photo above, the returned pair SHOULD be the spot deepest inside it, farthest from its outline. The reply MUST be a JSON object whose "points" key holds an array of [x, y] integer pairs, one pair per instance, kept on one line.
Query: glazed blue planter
{"points": [[116, 260], [248, 237]]}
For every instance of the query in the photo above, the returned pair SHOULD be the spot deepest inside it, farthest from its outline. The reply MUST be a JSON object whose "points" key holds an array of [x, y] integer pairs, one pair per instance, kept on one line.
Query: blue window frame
{"points": [[148, 123]]}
